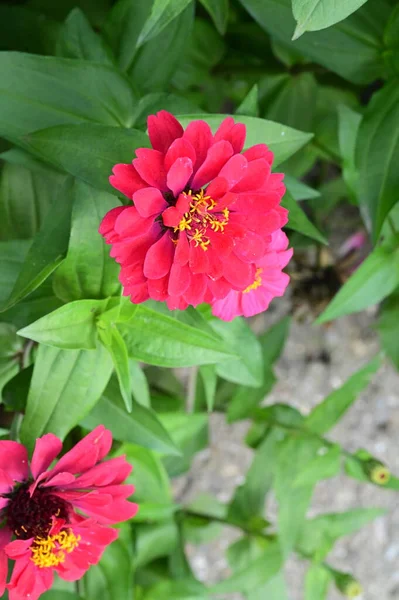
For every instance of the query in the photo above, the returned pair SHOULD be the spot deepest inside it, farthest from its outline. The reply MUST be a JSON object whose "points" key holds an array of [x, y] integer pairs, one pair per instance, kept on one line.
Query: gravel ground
{"points": [[305, 376]]}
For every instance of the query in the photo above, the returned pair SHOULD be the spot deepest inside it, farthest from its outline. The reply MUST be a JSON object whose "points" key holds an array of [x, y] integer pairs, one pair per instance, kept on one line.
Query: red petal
{"points": [[126, 179], [199, 134], [179, 149], [257, 202], [171, 217], [179, 174], [179, 279], [259, 151], [194, 295], [137, 293], [217, 188], [46, 449], [158, 288], [231, 132], [220, 287], [234, 170], [14, 460], [149, 201], [182, 250], [256, 175], [163, 129], [159, 258], [251, 248], [131, 223], [216, 158], [149, 164], [240, 274], [199, 262], [107, 225]]}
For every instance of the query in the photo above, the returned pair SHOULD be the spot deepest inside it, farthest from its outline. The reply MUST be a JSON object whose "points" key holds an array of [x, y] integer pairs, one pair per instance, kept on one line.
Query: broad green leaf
{"points": [[255, 574], [61, 91], [326, 414], [72, 326], [248, 368], [154, 541], [160, 339], [299, 190], [282, 140], [317, 581], [140, 385], [325, 465], [78, 40], [155, 511], [298, 221], [162, 13], [116, 346], [391, 42], [112, 577], [348, 128], [373, 281], [178, 590], [388, 328], [15, 392], [60, 595], [141, 427], [275, 588], [312, 15], [87, 151], [87, 271], [148, 476], [249, 106], [190, 434], [25, 198], [34, 306], [319, 535], [359, 37], [377, 157], [11, 354], [152, 103], [12, 257], [65, 386], [201, 519], [294, 454], [219, 11], [47, 250]]}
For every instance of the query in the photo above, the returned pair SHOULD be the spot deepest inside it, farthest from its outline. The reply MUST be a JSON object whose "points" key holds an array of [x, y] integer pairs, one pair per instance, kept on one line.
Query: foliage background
{"points": [[73, 102]]}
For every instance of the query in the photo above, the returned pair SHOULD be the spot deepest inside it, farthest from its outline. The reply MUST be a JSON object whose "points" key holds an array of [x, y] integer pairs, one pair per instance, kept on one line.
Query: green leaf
{"points": [[141, 427], [78, 40], [162, 13], [327, 464], [152, 103], [299, 190], [317, 581], [359, 37], [157, 59], [65, 386], [298, 221], [206, 383], [178, 590], [11, 348], [377, 157], [348, 128], [312, 15], [87, 151], [34, 306], [255, 574], [282, 140], [275, 588], [60, 595], [25, 198], [373, 281], [140, 386], [12, 257], [116, 346], [47, 250], [248, 368], [94, 9], [190, 434], [155, 541], [154, 511], [219, 11], [249, 106], [72, 326], [160, 339], [149, 476], [87, 271], [61, 91], [326, 414], [388, 328], [27, 31]]}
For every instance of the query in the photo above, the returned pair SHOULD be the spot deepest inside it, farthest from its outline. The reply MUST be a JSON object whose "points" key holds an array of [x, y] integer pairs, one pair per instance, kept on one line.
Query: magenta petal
{"points": [[224, 129], [46, 449], [171, 217], [179, 149], [107, 225], [259, 151], [179, 279], [240, 274], [14, 460], [149, 164], [195, 292], [158, 288], [217, 188], [182, 249], [159, 258], [257, 174], [179, 174], [6, 485], [125, 179], [199, 261], [5, 537], [131, 223], [251, 248], [163, 129], [149, 201], [199, 134], [216, 158], [228, 308], [234, 170]]}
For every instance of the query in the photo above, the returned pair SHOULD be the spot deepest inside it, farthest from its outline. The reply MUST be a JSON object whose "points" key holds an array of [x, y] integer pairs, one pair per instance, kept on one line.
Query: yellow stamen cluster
{"points": [[50, 551], [256, 283], [197, 220]]}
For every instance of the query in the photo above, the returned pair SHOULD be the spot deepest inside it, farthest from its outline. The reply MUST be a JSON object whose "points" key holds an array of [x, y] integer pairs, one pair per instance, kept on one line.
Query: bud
{"points": [[347, 584], [376, 471]]}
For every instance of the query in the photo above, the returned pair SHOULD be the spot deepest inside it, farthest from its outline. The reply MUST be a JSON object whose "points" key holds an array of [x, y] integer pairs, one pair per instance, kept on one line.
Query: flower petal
{"points": [[179, 279], [125, 179], [163, 129], [181, 148], [14, 460], [46, 449], [149, 201], [216, 158], [199, 134], [149, 164], [179, 174], [159, 258]]}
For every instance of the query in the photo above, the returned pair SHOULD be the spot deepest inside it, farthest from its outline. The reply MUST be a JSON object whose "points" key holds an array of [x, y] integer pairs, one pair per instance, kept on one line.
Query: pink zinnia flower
{"points": [[39, 505], [203, 216], [270, 282]]}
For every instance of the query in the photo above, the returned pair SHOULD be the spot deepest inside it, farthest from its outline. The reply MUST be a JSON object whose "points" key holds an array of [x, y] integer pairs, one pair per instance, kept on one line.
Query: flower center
{"points": [[50, 551], [256, 282], [31, 516], [197, 221]]}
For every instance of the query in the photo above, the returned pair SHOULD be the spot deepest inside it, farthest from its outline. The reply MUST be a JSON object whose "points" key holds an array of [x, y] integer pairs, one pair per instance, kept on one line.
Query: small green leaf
{"points": [[11, 347], [282, 140], [148, 476], [72, 326], [114, 343], [47, 250], [312, 15], [388, 328], [317, 581], [65, 386], [326, 414], [298, 221], [348, 129], [373, 281], [206, 382], [162, 13], [190, 433], [325, 465], [299, 190], [78, 40], [219, 12], [141, 427]]}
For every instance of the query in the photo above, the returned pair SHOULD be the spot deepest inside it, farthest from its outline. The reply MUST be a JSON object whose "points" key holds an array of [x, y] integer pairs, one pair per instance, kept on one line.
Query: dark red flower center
{"points": [[31, 516]]}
